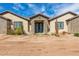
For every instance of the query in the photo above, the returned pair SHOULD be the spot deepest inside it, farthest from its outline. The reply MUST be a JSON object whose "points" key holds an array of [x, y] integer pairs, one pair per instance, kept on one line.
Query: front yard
{"points": [[39, 45]]}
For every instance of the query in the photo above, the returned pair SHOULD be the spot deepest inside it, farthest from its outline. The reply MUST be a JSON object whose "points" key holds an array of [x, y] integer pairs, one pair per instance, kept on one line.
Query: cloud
{"points": [[31, 5], [73, 7], [1, 7], [37, 9], [34, 8], [43, 8], [15, 8], [46, 9], [50, 10], [18, 6]]}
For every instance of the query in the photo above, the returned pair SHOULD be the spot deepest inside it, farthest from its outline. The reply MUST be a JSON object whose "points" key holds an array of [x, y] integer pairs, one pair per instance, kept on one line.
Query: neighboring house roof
{"points": [[72, 18], [64, 14], [39, 15], [5, 18], [13, 14]]}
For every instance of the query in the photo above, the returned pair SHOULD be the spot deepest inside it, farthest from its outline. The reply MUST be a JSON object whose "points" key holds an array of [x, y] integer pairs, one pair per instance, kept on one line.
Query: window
{"points": [[18, 25], [60, 25]]}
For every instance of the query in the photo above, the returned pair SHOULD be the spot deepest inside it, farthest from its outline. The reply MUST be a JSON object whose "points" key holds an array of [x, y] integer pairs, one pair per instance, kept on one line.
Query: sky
{"points": [[48, 9]]}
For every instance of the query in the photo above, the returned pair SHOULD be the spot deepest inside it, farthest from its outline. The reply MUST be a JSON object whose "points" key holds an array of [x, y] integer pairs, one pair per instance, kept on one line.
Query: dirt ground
{"points": [[39, 45]]}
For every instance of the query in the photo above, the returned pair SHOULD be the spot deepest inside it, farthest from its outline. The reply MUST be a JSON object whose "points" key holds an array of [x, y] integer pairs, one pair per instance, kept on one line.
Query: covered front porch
{"points": [[39, 24]]}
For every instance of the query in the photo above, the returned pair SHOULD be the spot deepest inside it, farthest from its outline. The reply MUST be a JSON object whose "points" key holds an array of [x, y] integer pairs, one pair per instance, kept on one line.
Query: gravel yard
{"points": [[37, 45]]}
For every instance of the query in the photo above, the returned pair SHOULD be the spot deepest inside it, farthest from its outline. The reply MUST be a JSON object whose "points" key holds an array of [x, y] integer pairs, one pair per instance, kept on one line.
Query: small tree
{"points": [[76, 34]]}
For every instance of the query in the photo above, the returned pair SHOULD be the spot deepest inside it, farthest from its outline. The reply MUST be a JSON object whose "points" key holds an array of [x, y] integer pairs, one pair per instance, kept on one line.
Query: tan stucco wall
{"points": [[3, 26], [73, 26], [15, 18], [39, 18], [62, 18], [46, 25]]}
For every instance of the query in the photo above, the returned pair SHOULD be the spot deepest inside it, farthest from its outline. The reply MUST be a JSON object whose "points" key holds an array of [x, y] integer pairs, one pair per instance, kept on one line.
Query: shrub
{"points": [[57, 35], [10, 32], [53, 34], [76, 34], [18, 31], [63, 33]]}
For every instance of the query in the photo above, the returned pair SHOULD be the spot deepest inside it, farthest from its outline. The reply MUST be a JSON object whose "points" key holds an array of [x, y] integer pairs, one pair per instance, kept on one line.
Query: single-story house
{"points": [[61, 21], [17, 21], [39, 23]]}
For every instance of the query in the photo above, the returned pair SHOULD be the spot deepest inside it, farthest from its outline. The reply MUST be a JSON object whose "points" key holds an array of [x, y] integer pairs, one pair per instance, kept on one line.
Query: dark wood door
{"points": [[38, 27]]}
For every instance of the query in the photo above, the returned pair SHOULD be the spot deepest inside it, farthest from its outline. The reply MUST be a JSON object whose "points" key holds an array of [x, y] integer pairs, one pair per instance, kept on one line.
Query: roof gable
{"points": [[64, 14], [72, 18], [6, 12], [39, 15], [5, 18]]}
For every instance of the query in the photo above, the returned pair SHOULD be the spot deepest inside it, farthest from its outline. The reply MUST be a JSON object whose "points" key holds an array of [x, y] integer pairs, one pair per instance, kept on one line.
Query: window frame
{"points": [[18, 22], [59, 24]]}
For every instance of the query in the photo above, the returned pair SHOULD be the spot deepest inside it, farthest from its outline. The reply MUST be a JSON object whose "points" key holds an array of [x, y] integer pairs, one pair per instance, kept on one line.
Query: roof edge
{"points": [[5, 12], [63, 14], [72, 18], [5, 18], [39, 14]]}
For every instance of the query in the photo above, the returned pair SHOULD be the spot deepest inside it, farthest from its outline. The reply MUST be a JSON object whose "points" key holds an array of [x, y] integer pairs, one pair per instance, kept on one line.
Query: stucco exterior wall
{"points": [[73, 26], [15, 18], [60, 19], [39, 18], [3, 26]]}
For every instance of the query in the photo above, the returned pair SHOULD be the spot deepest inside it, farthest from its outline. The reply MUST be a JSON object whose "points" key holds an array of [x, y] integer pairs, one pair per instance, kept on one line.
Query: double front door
{"points": [[39, 27]]}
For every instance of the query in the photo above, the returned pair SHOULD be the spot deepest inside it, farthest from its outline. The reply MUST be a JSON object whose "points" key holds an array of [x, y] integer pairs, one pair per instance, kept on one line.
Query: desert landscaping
{"points": [[39, 45]]}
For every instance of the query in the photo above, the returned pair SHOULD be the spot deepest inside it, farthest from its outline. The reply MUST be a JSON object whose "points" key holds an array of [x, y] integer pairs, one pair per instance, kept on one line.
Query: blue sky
{"points": [[30, 9]]}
